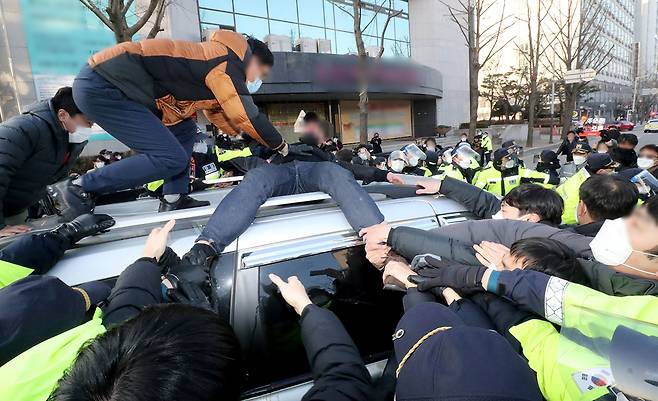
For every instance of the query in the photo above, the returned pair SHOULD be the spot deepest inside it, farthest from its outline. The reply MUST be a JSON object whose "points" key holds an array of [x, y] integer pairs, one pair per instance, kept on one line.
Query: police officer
{"points": [[505, 173], [596, 163], [464, 165], [487, 147]]}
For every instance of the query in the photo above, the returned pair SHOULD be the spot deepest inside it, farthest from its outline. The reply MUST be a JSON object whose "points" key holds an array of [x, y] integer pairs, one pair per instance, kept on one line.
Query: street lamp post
{"points": [[550, 137]]}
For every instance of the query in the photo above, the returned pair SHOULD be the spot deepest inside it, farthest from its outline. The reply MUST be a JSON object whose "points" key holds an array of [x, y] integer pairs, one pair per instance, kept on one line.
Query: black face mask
{"points": [[308, 139]]}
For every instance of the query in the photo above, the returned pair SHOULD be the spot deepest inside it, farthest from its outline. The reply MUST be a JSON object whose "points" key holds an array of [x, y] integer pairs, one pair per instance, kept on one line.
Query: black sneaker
{"points": [[200, 255], [72, 200], [84, 226], [184, 202]]}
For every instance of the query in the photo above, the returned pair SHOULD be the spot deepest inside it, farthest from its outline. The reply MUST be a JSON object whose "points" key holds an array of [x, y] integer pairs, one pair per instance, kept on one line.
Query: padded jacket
{"points": [[34, 152], [176, 78]]}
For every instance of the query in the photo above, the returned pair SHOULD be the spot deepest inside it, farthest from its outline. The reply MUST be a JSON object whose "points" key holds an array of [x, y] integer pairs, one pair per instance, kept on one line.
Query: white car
{"points": [[651, 126]]}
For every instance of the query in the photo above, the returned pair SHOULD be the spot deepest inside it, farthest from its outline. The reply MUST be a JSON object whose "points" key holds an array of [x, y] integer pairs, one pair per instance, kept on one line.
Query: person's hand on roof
{"points": [[428, 187], [394, 179], [156, 243], [398, 268], [377, 234], [377, 254]]}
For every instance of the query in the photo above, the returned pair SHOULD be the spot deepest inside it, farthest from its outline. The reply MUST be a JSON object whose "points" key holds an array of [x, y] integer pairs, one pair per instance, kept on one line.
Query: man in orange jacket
{"points": [[144, 93]]}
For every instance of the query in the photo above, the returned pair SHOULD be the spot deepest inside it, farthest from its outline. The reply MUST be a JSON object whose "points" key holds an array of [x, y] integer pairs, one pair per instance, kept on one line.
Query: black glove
{"points": [[169, 258], [194, 274], [187, 293], [300, 150], [458, 277], [84, 226]]}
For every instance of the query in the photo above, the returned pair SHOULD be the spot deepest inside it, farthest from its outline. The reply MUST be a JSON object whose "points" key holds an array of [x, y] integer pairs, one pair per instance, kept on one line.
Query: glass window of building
{"points": [[285, 28], [225, 5], [306, 31], [329, 14], [368, 23], [285, 10], [343, 21], [345, 43], [311, 12], [216, 17], [402, 29], [256, 27], [251, 7]]}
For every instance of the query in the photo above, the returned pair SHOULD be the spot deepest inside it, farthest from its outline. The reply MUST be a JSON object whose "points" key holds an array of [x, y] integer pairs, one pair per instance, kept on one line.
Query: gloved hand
{"points": [[194, 274], [169, 258], [426, 260], [300, 150], [458, 277], [188, 293]]}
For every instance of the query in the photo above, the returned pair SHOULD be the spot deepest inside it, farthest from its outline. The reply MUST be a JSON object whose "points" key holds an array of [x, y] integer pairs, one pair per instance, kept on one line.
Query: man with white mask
{"points": [[630, 245], [146, 93], [37, 148]]}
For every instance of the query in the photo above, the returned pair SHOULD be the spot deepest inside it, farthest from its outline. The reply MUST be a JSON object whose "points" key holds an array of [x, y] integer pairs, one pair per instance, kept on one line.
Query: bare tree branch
{"points": [[94, 9]]}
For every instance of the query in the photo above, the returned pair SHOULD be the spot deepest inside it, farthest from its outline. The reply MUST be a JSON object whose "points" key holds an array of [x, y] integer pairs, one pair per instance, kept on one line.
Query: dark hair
{"points": [[608, 196], [549, 257], [571, 132], [650, 147], [168, 352], [311, 116], [533, 198], [628, 137], [260, 50], [344, 155], [63, 100]]}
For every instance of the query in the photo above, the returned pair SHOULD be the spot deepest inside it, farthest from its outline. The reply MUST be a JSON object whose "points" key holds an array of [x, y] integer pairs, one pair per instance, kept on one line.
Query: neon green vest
{"points": [[486, 144], [491, 180], [154, 185], [570, 193], [558, 362], [453, 172], [426, 172], [10, 272], [32, 375]]}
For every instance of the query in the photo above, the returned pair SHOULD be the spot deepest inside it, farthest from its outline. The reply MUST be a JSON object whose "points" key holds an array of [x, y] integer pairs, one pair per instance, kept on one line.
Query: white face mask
{"points": [[363, 156], [644, 162], [510, 164], [578, 160], [397, 165], [464, 163], [253, 86], [612, 246], [498, 215], [432, 148]]}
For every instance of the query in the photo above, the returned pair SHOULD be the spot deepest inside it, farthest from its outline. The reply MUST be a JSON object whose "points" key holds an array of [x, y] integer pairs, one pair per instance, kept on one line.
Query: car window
{"points": [[342, 281]]}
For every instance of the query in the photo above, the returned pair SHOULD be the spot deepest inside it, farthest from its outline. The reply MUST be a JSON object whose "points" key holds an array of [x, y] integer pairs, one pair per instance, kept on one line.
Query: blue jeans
{"points": [[238, 209], [164, 152]]}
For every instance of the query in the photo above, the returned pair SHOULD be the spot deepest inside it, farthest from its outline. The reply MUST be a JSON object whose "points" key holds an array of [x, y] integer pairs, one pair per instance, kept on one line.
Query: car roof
{"points": [[306, 217]]}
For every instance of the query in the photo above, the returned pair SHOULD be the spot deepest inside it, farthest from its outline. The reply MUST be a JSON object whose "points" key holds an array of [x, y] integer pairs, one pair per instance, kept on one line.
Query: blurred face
{"points": [[648, 155], [256, 70], [602, 148], [642, 230], [571, 136], [71, 124], [315, 130], [626, 145]]}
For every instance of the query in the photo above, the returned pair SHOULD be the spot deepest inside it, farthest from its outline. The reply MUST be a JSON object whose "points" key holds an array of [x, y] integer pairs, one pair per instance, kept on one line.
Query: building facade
{"points": [[44, 43]]}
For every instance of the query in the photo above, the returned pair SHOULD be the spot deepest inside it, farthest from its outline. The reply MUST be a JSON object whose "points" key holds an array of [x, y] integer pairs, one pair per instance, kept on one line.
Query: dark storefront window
{"points": [[284, 115]]}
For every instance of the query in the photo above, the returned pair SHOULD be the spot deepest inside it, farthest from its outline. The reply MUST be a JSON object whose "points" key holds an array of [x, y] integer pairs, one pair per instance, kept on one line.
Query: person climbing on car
{"points": [[145, 94], [317, 170]]}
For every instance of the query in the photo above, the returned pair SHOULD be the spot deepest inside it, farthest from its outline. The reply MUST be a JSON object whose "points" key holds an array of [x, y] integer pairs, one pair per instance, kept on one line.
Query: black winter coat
{"points": [[34, 152], [338, 369]]}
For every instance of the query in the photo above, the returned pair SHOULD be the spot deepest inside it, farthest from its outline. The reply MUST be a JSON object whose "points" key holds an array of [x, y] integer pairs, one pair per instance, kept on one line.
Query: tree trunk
{"points": [[567, 109], [532, 102]]}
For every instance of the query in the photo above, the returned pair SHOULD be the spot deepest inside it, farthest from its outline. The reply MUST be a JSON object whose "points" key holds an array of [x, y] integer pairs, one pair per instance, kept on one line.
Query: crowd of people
{"points": [[548, 293]]}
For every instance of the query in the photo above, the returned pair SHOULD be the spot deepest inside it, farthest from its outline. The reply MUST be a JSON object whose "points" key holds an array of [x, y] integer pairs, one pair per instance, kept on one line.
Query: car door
{"points": [[337, 276]]}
